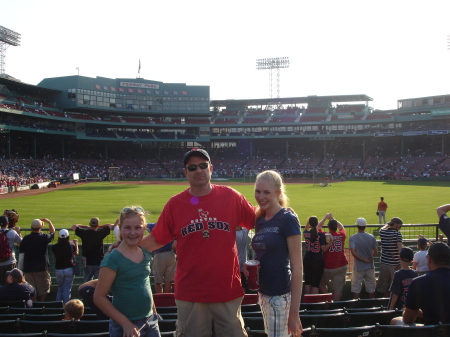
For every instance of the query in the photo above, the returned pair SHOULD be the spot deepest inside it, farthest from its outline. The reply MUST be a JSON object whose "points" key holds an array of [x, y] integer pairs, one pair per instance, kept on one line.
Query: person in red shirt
{"points": [[203, 220], [334, 259], [381, 211]]}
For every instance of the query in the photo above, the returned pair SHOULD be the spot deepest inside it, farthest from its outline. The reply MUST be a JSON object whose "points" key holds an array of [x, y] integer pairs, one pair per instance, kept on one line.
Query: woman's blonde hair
{"points": [[274, 178]]}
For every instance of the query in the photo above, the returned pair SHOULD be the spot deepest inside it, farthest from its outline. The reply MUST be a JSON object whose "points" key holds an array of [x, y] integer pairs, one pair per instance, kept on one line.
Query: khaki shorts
{"points": [[164, 265], [386, 276], [337, 277], [199, 319], [40, 280], [368, 276]]}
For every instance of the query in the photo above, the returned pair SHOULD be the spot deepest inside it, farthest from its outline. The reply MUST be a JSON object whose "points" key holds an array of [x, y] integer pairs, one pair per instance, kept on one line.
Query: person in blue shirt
{"points": [[278, 247]]}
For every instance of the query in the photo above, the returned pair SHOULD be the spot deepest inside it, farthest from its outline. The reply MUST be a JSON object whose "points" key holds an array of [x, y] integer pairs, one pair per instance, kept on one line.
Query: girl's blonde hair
{"points": [[274, 178]]}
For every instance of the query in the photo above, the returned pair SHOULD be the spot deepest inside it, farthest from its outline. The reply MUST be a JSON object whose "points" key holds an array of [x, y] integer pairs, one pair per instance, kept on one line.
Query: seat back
{"points": [[384, 317], [13, 304], [161, 310], [250, 308], [366, 331], [167, 325], [343, 304], [85, 327], [49, 326], [407, 331], [8, 317], [35, 311], [323, 321], [43, 317], [373, 302], [314, 298], [164, 300], [96, 334], [48, 304], [314, 306], [10, 326]]}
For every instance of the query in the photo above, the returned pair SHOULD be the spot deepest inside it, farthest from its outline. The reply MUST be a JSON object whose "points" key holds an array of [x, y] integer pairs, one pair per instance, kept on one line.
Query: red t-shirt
{"points": [[335, 256], [205, 229]]}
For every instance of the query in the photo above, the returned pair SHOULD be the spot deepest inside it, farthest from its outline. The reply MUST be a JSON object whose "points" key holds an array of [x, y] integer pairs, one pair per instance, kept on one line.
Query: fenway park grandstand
{"points": [[142, 127]]}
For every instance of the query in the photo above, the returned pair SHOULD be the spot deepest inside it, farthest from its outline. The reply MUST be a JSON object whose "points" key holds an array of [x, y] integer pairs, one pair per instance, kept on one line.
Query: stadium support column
{"points": [[9, 145], [106, 150], [62, 149], [34, 147], [287, 149], [364, 150]]}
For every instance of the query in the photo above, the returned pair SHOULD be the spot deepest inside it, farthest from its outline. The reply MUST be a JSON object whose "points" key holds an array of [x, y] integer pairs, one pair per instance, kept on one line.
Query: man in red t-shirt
{"points": [[203, 220], [334, 259]]}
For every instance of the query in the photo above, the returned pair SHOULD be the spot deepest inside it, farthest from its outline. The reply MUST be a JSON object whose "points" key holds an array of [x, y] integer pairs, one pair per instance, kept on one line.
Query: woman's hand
{"points": [[130, 330], [294, 324]]}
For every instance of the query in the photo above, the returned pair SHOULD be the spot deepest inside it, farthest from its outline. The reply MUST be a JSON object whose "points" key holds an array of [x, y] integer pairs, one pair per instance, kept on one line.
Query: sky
{"points": [[388, 50]]}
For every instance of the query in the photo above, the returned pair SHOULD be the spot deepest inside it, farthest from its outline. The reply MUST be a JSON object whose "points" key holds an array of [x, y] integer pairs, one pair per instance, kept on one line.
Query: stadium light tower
{"points": [[8, 38], [271, 64]]}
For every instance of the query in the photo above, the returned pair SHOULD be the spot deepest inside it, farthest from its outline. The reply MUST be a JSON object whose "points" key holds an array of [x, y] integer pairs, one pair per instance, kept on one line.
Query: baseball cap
{"points": [[361, 222], [440, 251], [94, 221], [36, 223], [16, 274], [422, 241], [395, 220], [196, 152], [63, 233], [3, 221], [407, 254]]}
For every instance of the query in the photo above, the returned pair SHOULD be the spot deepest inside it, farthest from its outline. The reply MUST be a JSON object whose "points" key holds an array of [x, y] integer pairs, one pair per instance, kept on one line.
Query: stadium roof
{"points": [[15, 84], [293, 100]]}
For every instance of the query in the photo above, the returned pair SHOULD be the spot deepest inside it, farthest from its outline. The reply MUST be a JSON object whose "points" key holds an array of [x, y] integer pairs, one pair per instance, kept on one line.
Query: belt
{"points": [[163, 251]]}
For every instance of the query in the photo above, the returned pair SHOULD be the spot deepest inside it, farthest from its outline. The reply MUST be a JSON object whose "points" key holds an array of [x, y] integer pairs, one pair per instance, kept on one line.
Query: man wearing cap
{"points": [[13, 237], [430, 293], [92, 245], [203, 220], [36, 262], [391, 243], [444, 220], [16, 289], [363, 247]]}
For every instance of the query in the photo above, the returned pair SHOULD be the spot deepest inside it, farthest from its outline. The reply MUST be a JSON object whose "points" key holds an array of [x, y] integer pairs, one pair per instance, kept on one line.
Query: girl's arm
{"points": [[414, 266], [295, 255], [106, 278]]}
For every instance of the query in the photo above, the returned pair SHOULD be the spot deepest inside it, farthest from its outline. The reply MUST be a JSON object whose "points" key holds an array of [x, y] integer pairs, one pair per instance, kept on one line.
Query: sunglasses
{"points": [[127, 210], [193, 167]]}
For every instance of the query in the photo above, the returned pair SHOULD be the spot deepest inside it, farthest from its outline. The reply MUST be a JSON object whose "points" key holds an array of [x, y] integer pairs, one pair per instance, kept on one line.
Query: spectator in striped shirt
{"points": [[391, 244]]}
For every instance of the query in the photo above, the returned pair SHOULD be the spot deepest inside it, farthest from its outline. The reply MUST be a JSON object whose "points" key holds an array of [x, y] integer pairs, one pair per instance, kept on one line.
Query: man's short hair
{"points": [[439, 252], [406, 254], [332, 225], [74, 309], [4, 221]]}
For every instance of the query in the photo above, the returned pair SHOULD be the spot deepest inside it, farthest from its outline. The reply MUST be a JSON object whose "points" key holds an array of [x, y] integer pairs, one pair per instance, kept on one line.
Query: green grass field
{"points": [[414, 202]]}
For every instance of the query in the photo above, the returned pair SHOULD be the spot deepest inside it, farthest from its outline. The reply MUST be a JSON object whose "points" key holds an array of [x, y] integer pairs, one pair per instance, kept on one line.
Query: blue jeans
{"points": [[64, 278], [150, 330], [91, 272]]}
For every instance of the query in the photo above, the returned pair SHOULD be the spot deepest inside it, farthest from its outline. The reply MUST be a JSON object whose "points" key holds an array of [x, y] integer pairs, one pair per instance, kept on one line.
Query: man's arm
{"points": [[356, 256], [149, 242], [51, 228], [409, 315], [441, 210], [74, 227], [327, 216]]}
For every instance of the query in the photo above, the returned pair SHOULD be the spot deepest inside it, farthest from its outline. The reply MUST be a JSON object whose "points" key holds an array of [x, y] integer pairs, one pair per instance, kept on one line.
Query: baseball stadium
{"points": [[77, 147]]}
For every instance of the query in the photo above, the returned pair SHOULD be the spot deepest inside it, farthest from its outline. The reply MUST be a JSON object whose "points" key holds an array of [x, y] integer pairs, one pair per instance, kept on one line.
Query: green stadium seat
{"points": [[13, 304], [10, 326], [49, 326], [366, 331], [355, 319], [48, 304], [82, 326], [373, 302], [342, 304], [43, 317]]}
